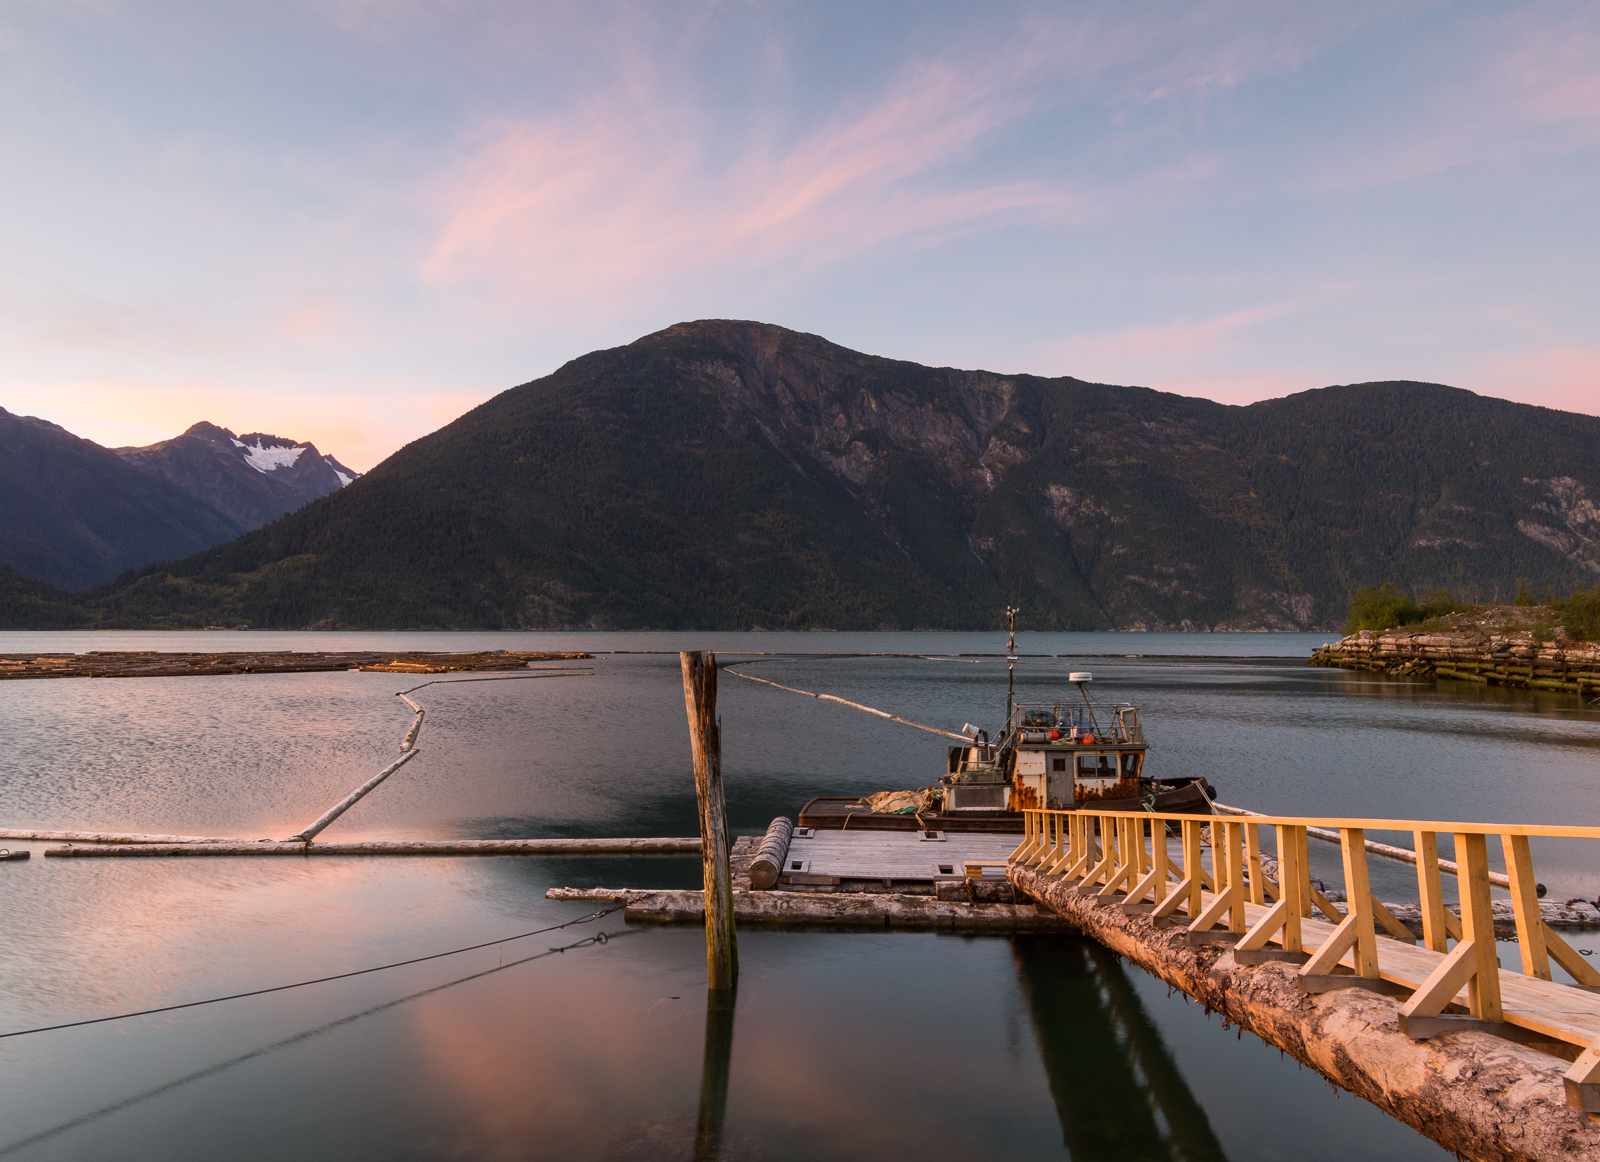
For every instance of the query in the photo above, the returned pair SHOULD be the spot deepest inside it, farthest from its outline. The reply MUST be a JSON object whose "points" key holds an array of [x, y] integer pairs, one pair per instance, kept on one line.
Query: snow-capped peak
{"points": [[268, 459]]}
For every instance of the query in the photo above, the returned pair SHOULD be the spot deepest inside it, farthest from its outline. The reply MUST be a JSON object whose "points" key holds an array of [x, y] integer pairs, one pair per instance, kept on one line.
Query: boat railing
{"points": [[1261, 900], [1115, 722]]}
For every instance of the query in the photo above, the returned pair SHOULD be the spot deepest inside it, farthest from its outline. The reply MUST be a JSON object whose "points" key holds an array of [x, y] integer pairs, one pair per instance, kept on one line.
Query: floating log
{"points": [[673, 846], [852, 910], [7, 856], [307, 833], [1514, 1110], [705, 741], [767, 865], [112, 837]]}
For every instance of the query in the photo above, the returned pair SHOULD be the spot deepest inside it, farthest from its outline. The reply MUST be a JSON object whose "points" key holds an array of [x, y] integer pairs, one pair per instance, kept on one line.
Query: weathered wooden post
{"points": [[705, 740]]}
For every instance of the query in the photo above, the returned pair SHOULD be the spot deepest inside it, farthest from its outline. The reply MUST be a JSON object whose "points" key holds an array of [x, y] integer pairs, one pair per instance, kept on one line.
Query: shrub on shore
{"points": [[1388, 606], [1580, 613]]}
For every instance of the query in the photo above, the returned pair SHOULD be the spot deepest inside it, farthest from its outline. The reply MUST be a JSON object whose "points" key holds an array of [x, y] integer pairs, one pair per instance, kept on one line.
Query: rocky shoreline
{"points": [[1497, 647]]}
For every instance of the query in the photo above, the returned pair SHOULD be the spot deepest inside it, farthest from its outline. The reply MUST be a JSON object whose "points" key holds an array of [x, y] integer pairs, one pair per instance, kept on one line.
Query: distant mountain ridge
{"points": [[251, 479], [77, 514], [726, 475]]}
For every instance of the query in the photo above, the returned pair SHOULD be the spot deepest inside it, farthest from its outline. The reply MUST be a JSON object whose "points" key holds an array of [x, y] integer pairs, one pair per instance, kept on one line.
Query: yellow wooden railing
{"points": [[1124, 857]]}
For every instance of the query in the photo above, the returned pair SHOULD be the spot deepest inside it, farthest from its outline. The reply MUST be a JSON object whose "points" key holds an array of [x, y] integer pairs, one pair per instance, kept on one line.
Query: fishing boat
{"points": [[1064, 755]]}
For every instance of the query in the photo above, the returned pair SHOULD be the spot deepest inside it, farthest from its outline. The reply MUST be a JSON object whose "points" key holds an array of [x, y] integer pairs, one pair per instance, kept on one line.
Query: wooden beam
{"points": [[1525, 904], [1358, 898], [1477, 926], [1430, 891]]}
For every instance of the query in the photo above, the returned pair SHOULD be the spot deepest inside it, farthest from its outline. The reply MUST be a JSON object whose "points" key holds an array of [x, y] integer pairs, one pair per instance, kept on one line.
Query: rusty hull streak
{"points": [[1125, 789], [1486, 1098]]}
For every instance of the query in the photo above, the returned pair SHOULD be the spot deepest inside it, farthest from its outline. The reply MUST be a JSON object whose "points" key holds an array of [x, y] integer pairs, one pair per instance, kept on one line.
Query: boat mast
{"points": [[1011, 659]]}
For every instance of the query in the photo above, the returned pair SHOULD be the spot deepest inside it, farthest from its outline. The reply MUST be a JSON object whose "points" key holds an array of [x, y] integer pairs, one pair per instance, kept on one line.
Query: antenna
{"points": [[1011, 659]]}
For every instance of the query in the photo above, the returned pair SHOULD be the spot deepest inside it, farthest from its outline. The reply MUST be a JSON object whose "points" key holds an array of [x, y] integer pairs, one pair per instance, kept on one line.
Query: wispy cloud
{"points": [[603, 198]]}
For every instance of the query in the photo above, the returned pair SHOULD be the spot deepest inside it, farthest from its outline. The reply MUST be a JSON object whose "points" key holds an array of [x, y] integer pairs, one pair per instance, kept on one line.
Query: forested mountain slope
{"points": [[733, 475]]}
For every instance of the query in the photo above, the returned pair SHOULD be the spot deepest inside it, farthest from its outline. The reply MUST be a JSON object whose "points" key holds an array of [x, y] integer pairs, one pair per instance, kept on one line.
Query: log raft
{"points": [[841, 910], [1489, 658], [152, 664], [665, 846]]}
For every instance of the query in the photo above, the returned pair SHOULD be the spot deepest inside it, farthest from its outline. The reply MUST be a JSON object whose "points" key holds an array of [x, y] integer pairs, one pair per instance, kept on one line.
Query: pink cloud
{"points": [[608, 197]]}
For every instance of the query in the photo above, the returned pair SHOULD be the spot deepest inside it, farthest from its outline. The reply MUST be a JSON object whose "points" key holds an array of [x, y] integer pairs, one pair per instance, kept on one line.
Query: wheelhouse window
{"points": [[1097, 766]]}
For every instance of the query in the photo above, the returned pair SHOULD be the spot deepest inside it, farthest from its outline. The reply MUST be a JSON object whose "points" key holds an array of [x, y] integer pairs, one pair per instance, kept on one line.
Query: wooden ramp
{"points": [[1224, 888]]}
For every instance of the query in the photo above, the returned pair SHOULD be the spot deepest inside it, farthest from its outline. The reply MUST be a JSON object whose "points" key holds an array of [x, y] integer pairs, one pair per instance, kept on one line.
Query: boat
{"points": [[1065, 755]]}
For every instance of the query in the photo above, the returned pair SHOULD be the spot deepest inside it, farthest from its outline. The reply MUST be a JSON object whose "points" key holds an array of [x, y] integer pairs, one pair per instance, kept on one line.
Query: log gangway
{"points": [[1207, 902]]}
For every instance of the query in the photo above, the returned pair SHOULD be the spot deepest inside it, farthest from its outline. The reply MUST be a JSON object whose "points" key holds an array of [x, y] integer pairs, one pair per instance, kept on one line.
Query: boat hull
{"points": [[833, 812]]}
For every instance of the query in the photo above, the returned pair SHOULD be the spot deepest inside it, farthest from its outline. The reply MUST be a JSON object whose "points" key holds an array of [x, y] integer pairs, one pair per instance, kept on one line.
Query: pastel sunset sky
{"points": [[349, 221]]}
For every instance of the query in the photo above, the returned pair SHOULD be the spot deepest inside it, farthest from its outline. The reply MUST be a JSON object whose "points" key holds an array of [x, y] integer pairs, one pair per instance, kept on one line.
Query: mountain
{"points": [[250, 479], [76, 514], [727, 474]]}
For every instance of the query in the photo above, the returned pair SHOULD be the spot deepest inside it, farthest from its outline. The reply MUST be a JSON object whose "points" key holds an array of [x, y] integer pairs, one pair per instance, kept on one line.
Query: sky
{"points": [[350, 221]]}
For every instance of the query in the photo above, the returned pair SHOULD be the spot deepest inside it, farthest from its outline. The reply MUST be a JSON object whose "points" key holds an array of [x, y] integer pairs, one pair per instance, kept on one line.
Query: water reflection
{"points": [[1117, 1090], [714, 1074]]}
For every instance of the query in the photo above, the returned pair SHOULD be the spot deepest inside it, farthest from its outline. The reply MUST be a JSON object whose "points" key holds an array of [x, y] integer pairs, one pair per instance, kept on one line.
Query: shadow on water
{"points": [[1117, 1090]]}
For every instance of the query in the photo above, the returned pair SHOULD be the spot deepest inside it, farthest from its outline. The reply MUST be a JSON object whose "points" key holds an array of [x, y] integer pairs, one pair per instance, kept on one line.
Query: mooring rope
{"points": [[844, 702], [601, 938]]}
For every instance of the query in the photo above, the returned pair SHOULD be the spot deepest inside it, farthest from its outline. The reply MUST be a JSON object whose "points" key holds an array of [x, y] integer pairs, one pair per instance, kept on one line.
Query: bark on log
{"points": [[768, 863], [674, 846], [844, 910], [1485, 1098]]}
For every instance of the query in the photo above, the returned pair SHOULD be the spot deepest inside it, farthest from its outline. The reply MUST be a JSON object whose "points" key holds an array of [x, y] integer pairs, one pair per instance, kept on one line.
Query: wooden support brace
{"points": [[1117, 878], [1391, 925], [1583, 1081], [1325, 906], [1441, 987], [1179, 897], [1220, 903], [1152, 879], [1332, 950], [1567, 957], [1266, 928], [1525, 903]]}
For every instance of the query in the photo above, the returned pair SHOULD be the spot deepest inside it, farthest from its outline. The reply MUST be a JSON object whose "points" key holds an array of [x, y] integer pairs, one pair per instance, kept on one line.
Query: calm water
{"points": [[844, 1045]]}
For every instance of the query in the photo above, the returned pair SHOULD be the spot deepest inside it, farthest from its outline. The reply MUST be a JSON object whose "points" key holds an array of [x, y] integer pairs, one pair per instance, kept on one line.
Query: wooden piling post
{"points": [[705, 740]]}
